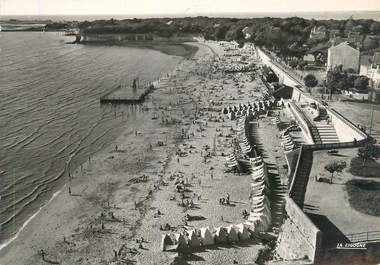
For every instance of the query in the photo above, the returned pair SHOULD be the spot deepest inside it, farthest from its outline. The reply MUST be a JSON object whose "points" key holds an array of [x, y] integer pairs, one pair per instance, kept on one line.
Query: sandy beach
{"points": [[126, 192], [105, 185]]}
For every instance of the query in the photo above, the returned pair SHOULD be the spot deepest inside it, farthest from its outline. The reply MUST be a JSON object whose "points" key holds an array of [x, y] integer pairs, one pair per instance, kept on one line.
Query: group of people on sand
{"points": [[245, 214], [187, 204], [225, 201], [166, 227]]}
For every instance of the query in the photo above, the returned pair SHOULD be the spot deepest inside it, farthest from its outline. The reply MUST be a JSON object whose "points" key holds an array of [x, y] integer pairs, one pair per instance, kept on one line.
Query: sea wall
{"points": [[302, 121], [282, 76], [299, 237]]}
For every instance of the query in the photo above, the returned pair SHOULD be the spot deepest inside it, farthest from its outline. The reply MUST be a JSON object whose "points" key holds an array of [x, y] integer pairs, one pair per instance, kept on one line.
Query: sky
{"points": [[131, 7]]}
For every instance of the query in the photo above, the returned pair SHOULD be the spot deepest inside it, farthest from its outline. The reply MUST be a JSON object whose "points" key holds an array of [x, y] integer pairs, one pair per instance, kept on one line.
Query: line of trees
{"points": [[288, 36], [337, 80]]}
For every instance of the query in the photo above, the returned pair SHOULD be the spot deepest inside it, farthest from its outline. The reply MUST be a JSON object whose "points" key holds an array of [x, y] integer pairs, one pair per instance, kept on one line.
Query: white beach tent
{"points": [[220, 235], [243, 232], [207, 237], [232, 234], [193, 239], [181, 241], [261, 222], [165, 241]]}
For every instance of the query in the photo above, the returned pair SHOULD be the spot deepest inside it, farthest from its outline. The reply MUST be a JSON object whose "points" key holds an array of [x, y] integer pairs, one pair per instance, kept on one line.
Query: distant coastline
{"points": [[176, 49], [339, 15]]}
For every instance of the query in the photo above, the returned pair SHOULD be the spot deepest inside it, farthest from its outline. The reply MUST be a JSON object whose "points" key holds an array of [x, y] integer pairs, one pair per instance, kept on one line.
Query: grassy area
{"points": [[371, 168], [364, 196]]}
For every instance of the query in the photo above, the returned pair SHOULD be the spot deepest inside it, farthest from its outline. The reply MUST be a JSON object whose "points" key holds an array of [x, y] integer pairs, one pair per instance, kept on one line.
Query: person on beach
{"points": [[42, 252], [115, 254], [69, 191]]}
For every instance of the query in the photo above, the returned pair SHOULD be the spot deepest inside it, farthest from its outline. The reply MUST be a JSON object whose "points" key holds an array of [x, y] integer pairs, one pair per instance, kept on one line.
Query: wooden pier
{"points": [[126, 95]]}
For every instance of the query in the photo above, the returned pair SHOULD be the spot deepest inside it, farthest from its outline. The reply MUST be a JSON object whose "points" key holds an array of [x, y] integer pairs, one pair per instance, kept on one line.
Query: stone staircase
{"points": [[322, 115], [302, 177], [324, 133]]}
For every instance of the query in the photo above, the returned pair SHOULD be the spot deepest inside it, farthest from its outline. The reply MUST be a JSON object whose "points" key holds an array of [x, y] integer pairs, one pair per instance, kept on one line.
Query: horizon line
{"points": [[197, 13]]}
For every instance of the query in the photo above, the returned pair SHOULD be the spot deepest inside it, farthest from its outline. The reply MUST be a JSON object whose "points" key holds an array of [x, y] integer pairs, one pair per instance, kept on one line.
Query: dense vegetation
{"points": [[288, 37], [364, 196]]}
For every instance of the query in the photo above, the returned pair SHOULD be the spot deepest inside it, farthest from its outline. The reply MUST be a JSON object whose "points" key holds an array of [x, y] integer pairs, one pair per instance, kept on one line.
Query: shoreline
{"points": [[5, 241], [42, 214], [10, 240]]}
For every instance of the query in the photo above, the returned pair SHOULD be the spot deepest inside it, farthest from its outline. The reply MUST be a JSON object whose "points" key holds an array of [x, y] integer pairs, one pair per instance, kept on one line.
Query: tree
{"points": [[370, 43], [335, 166], [375, 28], [335, 79], [367, 152], [310, 81], [361, 83], [293, 63]]}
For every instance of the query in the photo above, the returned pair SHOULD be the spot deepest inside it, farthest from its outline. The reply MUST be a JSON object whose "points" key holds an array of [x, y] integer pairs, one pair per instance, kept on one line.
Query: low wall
{"points": [[302, 121], [345, 130], [299, 237], [282, 75]]}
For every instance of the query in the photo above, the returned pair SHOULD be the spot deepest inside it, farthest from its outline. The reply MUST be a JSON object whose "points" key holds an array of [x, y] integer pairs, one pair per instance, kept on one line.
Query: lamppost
{"points": [[372, 109]]}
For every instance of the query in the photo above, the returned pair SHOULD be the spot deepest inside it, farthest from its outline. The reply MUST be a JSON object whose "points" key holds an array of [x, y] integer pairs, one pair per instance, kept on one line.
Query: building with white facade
{"points": [[370, 67], [345, 55]]}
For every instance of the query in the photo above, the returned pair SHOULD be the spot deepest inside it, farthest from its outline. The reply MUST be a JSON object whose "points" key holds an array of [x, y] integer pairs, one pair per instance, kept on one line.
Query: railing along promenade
{"points": [[304, 121], [287, 70], [299, 180], [364, 237]]}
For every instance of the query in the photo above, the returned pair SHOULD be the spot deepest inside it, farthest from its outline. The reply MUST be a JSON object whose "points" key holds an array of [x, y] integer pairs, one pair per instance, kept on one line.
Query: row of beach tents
{"points": [[251, 108], [204, 237], [287, 142], [260, 213], [242, 146]]}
